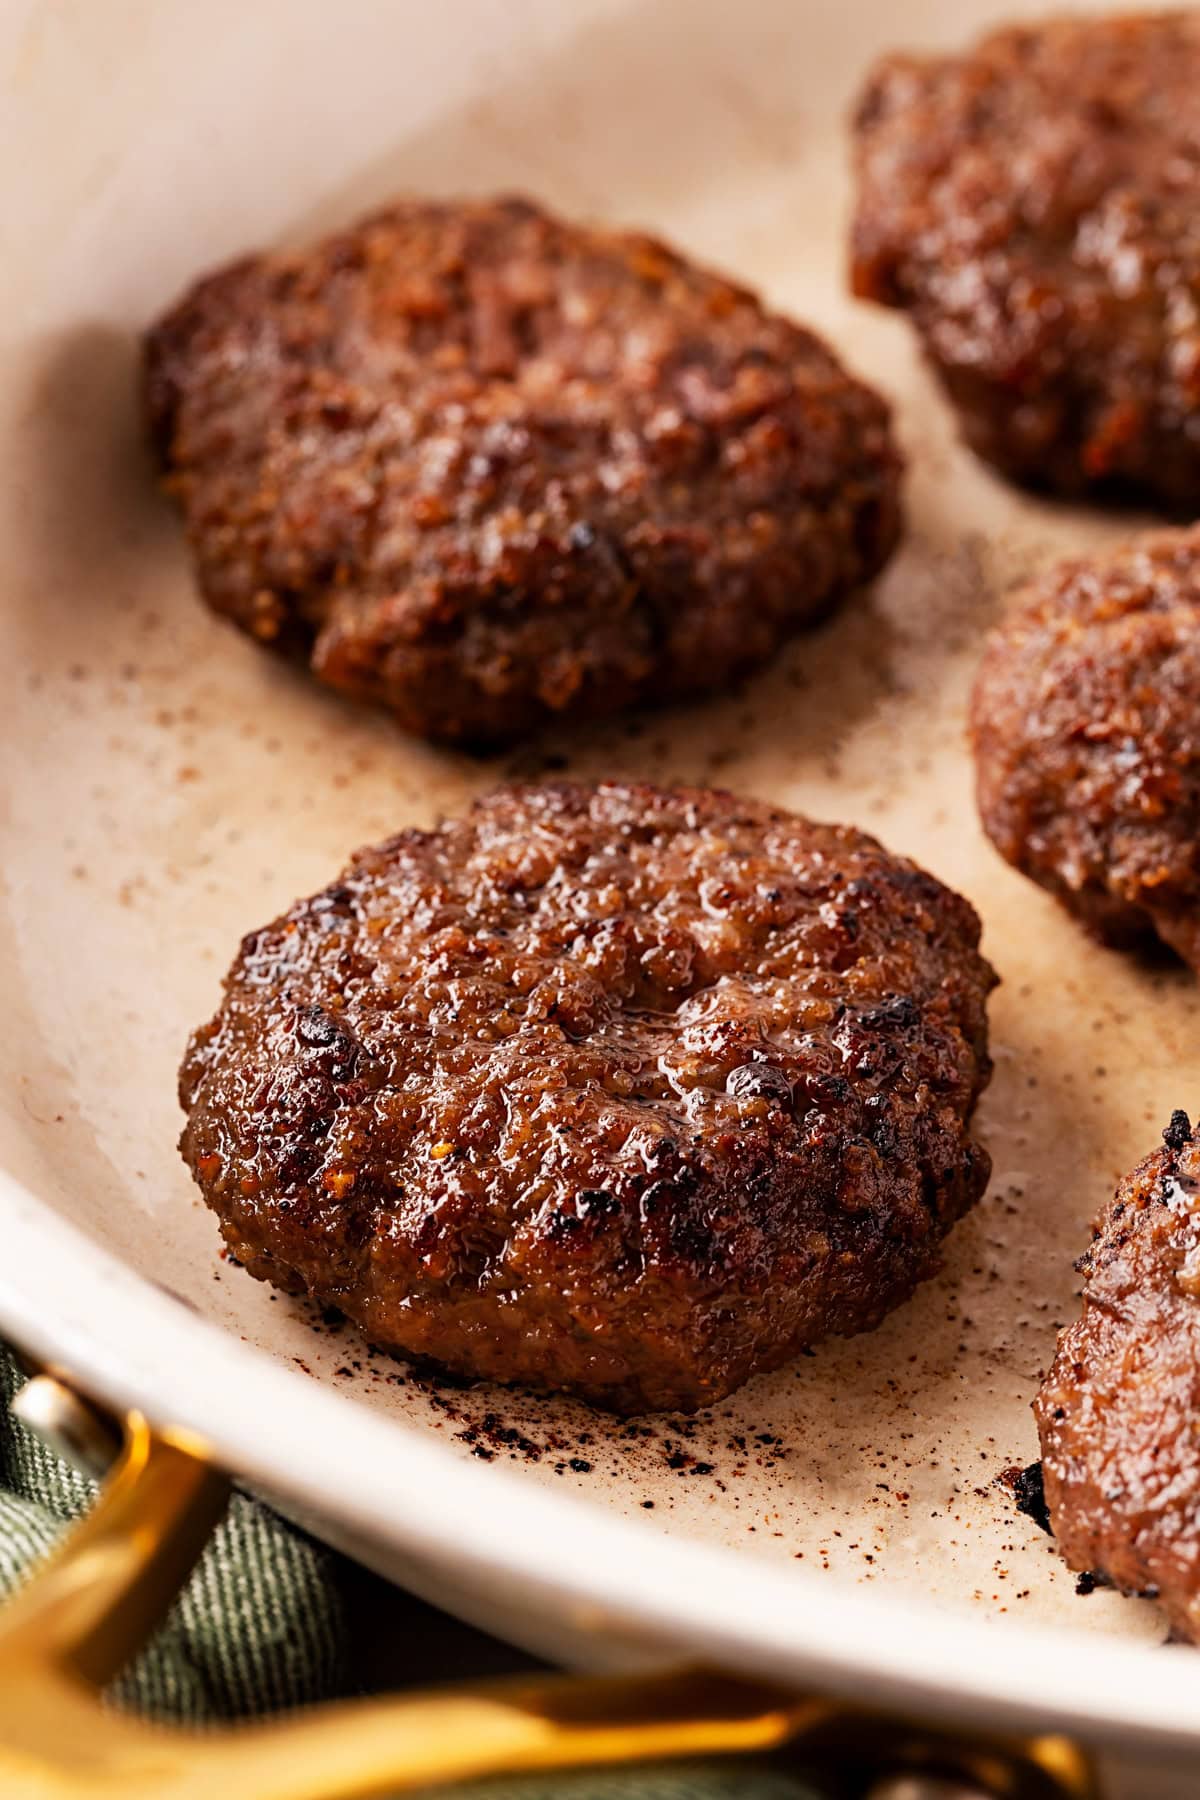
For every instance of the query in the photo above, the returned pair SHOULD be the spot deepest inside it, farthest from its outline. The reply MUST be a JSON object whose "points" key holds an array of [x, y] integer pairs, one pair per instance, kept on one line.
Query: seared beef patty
{"points": [[1034, 204], [619, 1090], [1086, 726], [1117, 1413], [490, 469]]}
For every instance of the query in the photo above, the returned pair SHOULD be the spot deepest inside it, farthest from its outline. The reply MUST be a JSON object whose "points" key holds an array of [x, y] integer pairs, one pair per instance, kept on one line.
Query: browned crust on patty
{"points": [[1033, 205], [619, 1090], [1085, 721], [490, 469], [1117, 1413]]}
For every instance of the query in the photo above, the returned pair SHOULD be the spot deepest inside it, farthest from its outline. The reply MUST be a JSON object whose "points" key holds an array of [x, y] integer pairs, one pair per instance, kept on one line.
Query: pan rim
{"points": [[68, 1301]]}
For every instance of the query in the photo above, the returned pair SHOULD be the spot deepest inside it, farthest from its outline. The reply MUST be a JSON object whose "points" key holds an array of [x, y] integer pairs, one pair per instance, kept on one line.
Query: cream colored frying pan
{"points": [[839, 1525]]}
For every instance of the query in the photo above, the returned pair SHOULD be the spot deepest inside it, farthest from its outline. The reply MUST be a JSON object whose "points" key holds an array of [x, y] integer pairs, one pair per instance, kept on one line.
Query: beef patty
{"points": [[1034, 204], [619, 1090], [1117, 1412], [1086, 726], [490, 469]]}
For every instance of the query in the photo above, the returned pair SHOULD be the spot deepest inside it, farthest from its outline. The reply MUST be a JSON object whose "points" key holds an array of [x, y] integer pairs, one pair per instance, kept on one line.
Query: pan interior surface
{"points": [[169, 786]]}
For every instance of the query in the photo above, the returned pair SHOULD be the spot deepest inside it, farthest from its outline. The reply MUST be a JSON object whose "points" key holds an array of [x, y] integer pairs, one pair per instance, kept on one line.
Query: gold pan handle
{"points": [[89, 1607]]}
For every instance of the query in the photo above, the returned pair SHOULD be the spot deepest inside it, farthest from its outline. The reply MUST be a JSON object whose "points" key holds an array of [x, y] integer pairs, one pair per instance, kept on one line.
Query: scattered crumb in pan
{"points": [[1025, 1485]]}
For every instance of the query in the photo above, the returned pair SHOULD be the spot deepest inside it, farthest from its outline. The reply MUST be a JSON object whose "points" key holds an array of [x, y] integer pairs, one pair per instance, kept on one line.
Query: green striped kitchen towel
{"points": [[261, 1627]]}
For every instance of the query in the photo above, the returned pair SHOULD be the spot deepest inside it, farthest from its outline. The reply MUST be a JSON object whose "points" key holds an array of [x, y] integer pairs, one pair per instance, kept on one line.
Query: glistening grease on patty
{"points": [[1034, 205], [1117, 1412], [1086, 727], [490, 469], [619, 1090]]}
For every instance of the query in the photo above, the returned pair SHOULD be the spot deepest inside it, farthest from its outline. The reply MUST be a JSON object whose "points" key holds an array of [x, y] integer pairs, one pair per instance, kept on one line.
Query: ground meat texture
{"points": [[1117, 1412], [1086, 727], [1034, 204], [619, 1090], [489, 469]]}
